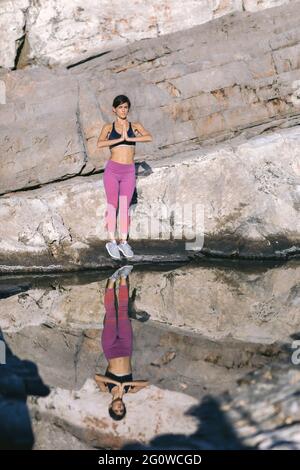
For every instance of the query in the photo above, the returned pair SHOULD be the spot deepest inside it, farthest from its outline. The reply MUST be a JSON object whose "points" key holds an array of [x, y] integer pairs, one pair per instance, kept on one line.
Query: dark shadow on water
{"points": [[7, 290], [18, 379]]}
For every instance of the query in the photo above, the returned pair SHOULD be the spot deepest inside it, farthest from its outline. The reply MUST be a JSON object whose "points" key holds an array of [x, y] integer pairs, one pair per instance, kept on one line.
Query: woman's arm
{"points": [[103, 387], [137, 383], [145, 135], [137, 388], [104, 379], [103, 141]]}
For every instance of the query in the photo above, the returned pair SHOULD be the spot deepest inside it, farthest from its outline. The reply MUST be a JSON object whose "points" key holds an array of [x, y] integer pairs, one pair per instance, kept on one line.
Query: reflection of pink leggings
{"points": [[119, 184], [117, 332]]}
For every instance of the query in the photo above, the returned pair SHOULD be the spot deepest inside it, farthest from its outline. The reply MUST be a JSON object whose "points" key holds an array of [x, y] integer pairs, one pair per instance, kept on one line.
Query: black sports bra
{"points": [[118, 378], [115, 135]]}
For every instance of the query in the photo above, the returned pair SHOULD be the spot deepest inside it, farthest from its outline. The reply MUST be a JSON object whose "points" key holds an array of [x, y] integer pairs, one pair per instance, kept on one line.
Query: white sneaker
{"points": [[126, 249], [113, 250]]}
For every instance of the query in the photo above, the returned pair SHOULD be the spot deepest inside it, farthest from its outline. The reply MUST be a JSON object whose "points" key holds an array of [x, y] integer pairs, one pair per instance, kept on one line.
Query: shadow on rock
{"points": [[215, 432], [18, 379]]}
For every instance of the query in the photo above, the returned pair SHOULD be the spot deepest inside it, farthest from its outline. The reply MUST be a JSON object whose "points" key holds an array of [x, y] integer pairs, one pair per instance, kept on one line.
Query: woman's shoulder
{"points": [[136, 124], [105, 379], [108, 125], [107, 128]]}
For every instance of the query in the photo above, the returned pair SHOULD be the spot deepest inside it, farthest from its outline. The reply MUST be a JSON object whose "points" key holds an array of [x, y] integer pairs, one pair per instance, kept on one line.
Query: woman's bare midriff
{"points": [[123, 155], [120, 365]]}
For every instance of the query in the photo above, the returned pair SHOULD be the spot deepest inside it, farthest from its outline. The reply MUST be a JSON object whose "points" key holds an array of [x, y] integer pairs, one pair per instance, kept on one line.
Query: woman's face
{"points": [[122, 110], [118, 407]]}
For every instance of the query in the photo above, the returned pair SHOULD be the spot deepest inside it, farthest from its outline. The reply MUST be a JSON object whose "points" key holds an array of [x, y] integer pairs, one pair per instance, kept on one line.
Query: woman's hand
{"points": [[117, 392], [102, 385], [137, 388], [124, 133]]}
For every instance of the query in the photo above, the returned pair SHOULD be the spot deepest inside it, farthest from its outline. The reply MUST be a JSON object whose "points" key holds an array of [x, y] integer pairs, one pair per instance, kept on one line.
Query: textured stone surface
{"points": [[225, 127], [84, 414], [206, 84], [61, 226], [12, 25], [40, 129], [262, 413], [265, 408], [56, 32], [219, 303], [222, 102], [56, 323], [196, 86]]}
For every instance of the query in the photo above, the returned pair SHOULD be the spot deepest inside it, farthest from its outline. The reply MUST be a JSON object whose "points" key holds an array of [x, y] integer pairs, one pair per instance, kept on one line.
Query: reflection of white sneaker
{"points": [[125, 270], [116, 274], [126, 249], [113, 250]]}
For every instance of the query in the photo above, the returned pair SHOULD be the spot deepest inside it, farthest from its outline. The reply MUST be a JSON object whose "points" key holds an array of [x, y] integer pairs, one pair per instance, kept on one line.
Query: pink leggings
{"points": [[117, 332], [119, 183]]}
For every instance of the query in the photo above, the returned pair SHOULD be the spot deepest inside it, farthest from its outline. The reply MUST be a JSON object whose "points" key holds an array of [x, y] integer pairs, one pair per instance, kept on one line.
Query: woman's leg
{"points": [[124, 324], [127, 186], [111, 186], [110, 330]]}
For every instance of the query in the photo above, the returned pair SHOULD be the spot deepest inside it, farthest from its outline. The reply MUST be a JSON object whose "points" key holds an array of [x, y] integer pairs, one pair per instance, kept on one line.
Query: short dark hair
{"points": [[114, 415], [120, 99]]}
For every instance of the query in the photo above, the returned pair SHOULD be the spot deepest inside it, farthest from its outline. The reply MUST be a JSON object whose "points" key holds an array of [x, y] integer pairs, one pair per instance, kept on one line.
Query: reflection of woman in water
{"points": [[117, 346], [119, 174]]}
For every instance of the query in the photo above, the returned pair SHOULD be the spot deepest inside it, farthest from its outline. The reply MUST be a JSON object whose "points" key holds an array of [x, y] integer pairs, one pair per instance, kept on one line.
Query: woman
{"points": [[119, 174], [117, 346]]}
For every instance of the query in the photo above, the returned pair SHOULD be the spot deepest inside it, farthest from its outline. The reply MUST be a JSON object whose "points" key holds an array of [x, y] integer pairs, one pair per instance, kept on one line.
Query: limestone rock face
{"points": [[205, 85], [217, 85], [40, 129], [12, 29], [189, 88], [255, 307], [225, 140], [85, 414], [256, 216], [175, 420], [271, 400], [56, 323], [262, 413], [56, 32], [220, 304]]}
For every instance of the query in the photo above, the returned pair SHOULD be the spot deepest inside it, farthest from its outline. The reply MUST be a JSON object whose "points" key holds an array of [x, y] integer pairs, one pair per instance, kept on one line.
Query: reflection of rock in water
{"points": [[209, 112], [247, 304], [170, 358], [193, 346], [214, 432], [262, 413], [195, 365]]}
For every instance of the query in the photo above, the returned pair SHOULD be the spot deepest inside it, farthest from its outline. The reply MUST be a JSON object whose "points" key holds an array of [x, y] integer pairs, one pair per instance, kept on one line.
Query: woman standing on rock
{"points": [[119, 174], [117, 341]]}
